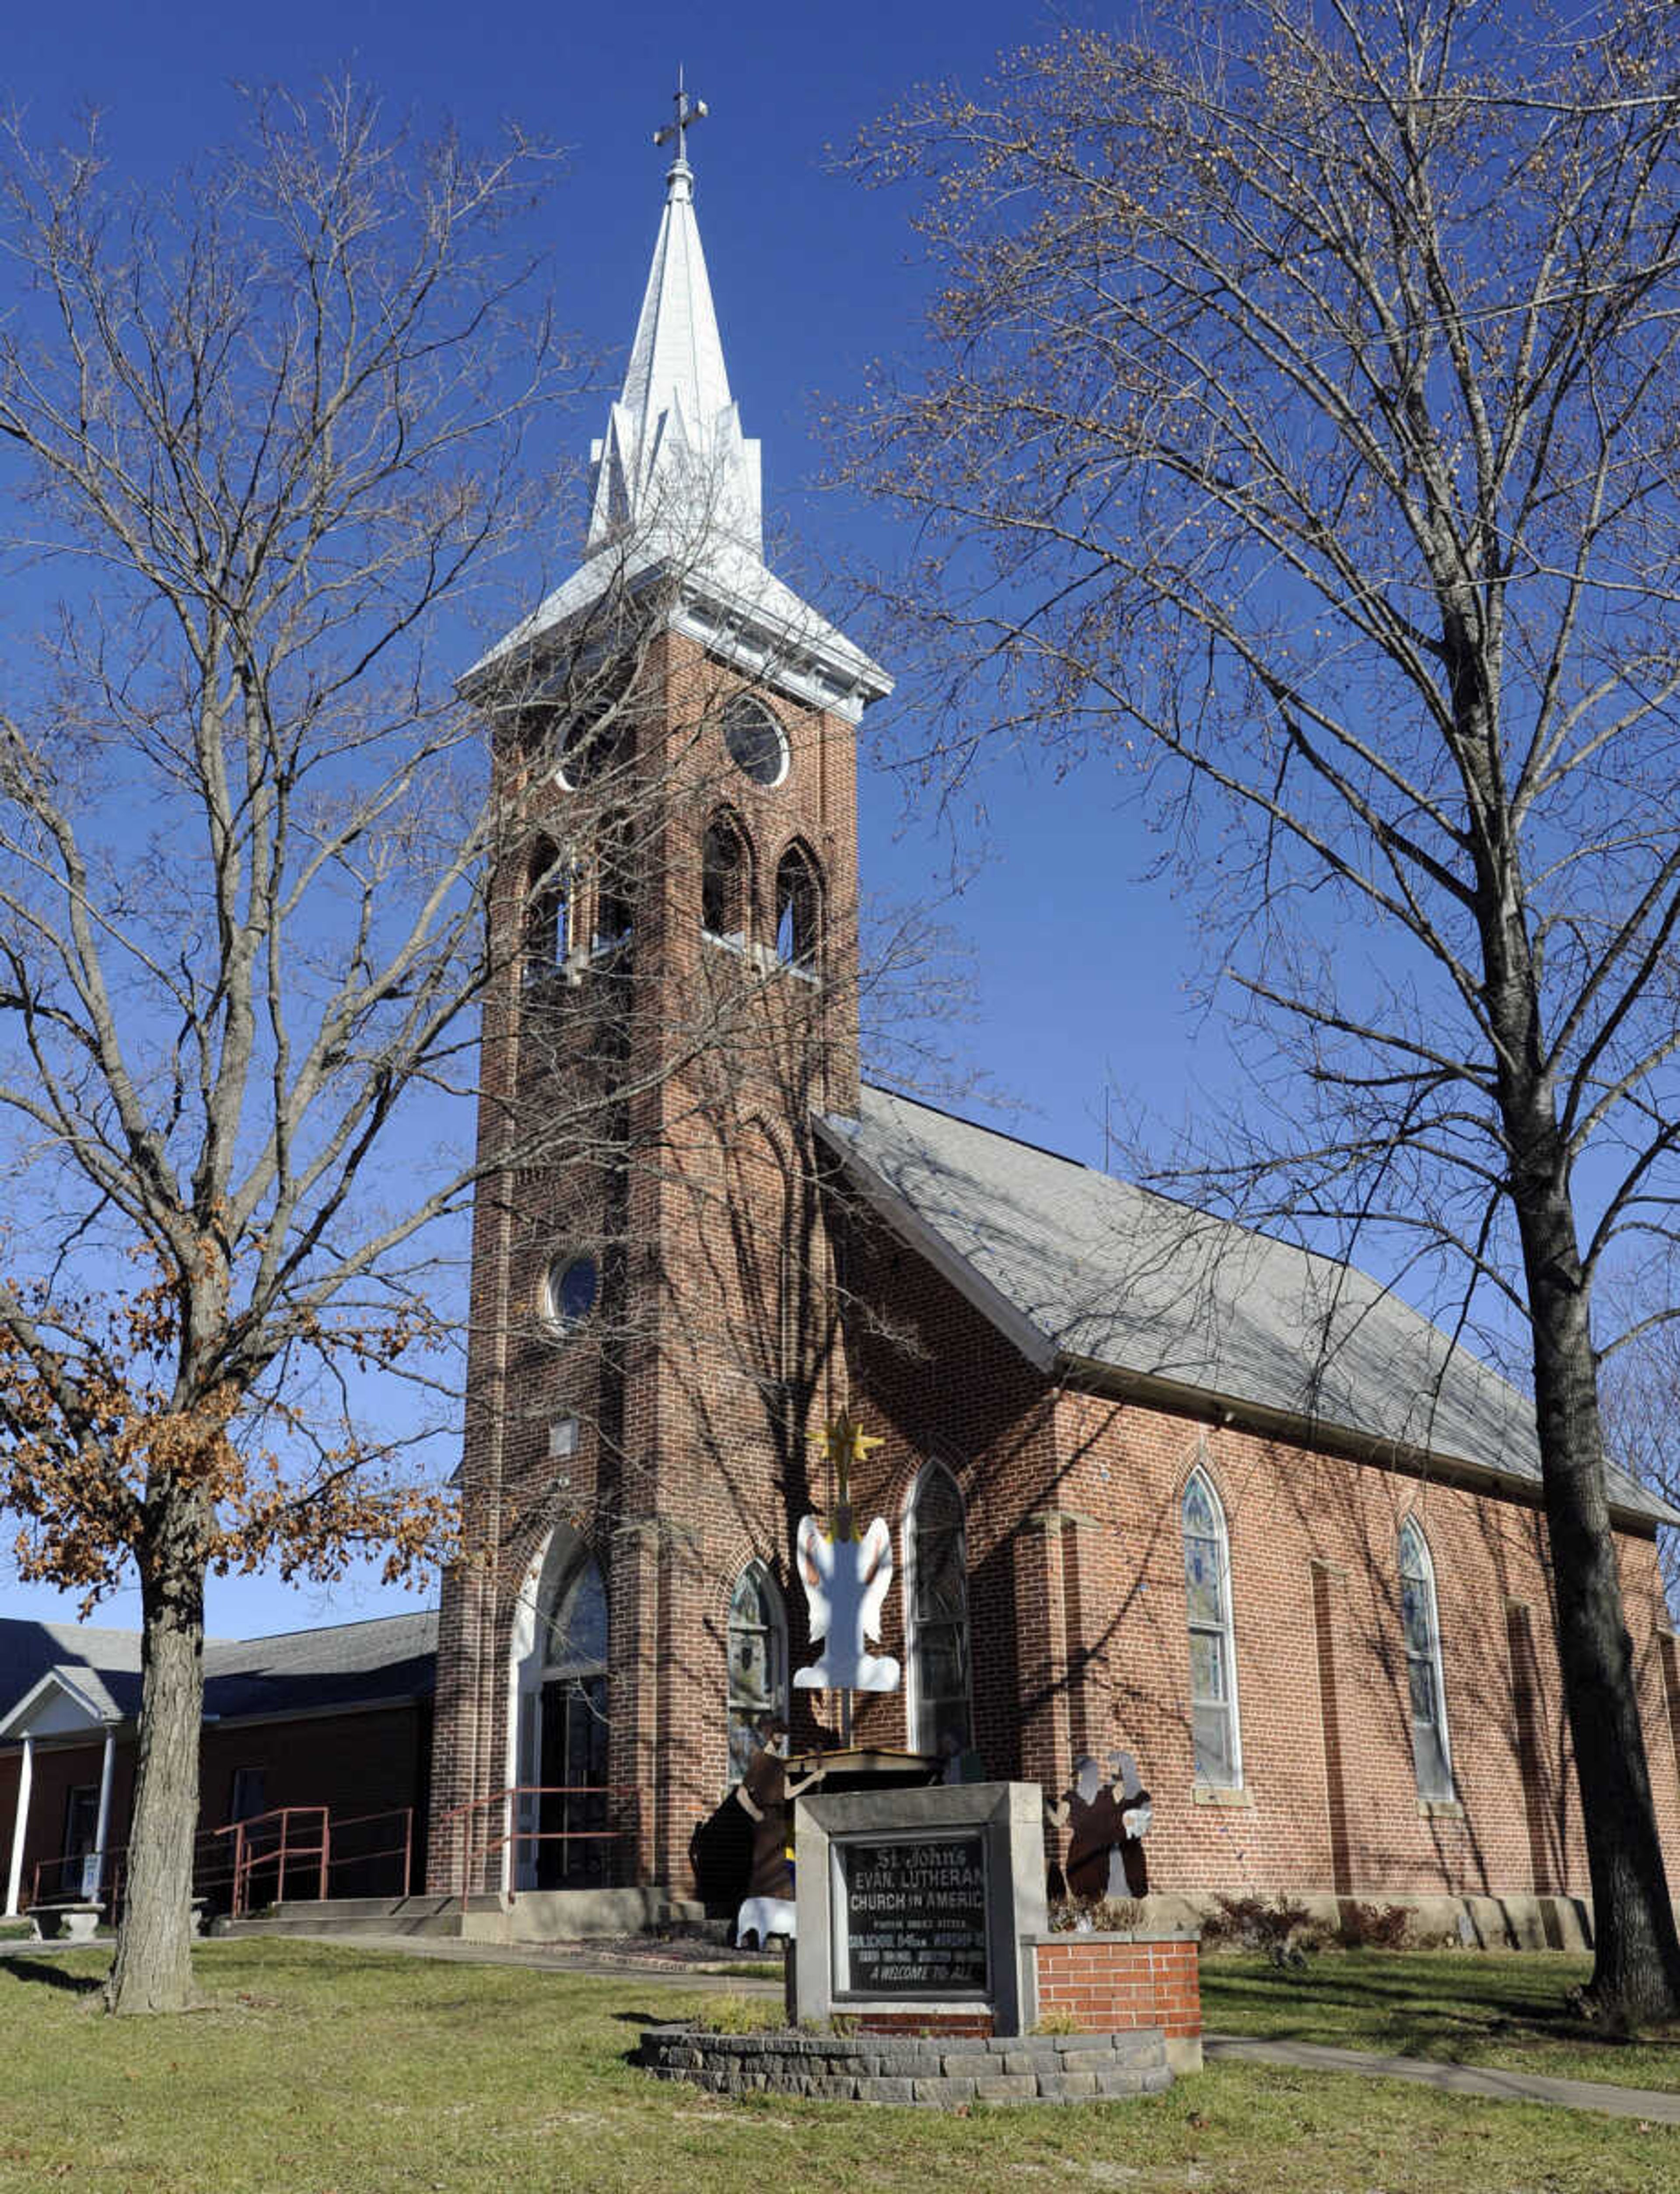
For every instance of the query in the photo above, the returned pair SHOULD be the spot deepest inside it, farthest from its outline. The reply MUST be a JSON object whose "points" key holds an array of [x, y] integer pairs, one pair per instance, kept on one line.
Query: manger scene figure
{"points": [[766, 1794], [1107, 1813]]}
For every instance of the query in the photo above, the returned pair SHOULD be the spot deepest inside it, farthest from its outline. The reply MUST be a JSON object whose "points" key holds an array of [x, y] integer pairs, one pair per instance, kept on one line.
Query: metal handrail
{"points": [[111, 1881], [240, 1862], [284, 1854], [475, 1854], [247, 1860]]}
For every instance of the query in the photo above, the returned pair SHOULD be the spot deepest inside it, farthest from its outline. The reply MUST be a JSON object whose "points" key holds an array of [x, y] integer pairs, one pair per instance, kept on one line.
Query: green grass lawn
{"points": [[1498, 2008], [336, 2070]]}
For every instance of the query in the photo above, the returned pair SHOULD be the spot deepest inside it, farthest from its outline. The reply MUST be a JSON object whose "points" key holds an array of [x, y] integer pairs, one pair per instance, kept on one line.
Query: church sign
{"points": [[912, 1917], [917, 1902]]}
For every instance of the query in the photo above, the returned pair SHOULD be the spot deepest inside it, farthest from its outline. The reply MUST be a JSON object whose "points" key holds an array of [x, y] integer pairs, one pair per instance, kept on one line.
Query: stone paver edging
{"points": [[936, 2070]]}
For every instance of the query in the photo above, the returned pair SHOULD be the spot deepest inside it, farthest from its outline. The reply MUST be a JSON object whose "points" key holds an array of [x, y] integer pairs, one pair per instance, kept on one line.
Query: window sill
{"points": [[1218, 1794], [1439, 1809]]}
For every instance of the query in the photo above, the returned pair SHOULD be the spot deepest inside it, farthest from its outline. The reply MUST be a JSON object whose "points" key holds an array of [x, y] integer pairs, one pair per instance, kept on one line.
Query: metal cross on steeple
{"points": [[689, 111]]}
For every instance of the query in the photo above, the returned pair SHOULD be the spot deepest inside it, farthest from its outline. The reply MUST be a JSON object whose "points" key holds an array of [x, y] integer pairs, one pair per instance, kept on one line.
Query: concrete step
{"points": [[365, 1915]]}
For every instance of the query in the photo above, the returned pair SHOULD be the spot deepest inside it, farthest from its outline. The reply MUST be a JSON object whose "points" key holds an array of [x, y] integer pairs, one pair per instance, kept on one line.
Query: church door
{"points": [[573, 1772]]}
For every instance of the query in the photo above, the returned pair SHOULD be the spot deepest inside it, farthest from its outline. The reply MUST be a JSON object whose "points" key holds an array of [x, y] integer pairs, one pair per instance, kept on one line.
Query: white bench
{"points": [[71, 1920]]}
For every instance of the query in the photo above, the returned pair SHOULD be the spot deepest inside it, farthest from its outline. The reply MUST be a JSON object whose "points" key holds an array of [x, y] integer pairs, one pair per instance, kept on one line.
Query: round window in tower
{"points": [[757, 743], [569, 1292]]}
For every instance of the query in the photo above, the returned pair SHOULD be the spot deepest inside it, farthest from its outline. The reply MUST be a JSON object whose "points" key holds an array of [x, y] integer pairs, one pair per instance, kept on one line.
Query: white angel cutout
{"points": [[846, 1581]]}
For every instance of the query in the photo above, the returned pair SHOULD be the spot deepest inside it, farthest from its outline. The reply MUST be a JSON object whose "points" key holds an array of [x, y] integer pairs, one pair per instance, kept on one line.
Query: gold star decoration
{"points": [[845, 1443]]}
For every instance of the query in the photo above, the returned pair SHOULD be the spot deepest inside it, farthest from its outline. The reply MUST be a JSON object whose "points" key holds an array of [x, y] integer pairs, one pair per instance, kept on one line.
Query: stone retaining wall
{"points": [[930, 2070]]}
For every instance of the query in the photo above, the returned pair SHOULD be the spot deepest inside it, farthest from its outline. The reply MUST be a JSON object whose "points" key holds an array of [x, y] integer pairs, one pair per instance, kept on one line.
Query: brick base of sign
{"points": [[935, 2071], [1115, 1983]]}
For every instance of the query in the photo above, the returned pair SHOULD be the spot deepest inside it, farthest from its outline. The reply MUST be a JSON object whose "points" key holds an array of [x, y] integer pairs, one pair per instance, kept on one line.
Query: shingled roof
{"points": [[1081, 1271], [387, 1659]]}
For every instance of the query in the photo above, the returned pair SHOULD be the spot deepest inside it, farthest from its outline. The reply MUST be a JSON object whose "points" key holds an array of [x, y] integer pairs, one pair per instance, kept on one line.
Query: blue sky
{"points": [[1083, 969]]}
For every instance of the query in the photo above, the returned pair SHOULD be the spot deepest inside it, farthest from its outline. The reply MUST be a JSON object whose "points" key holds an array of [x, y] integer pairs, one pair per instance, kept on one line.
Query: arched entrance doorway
{"points": [[563, 1726]]}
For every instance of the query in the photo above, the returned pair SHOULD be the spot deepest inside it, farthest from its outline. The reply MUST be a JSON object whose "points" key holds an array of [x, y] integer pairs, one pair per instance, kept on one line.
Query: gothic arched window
{"points": [[757, 1663], [935, 1613], [799, 910], [1214, 1717], [548, 910], [726, 882], [1431, 1755], [573, 1636], [615, 885]]}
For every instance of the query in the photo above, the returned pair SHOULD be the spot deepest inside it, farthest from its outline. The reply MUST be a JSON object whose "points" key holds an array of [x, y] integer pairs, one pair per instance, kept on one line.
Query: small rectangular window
{"points": [[249, 1794]]}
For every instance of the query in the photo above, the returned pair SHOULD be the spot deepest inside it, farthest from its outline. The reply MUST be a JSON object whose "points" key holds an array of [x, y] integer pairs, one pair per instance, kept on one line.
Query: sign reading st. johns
{"points": [[914, 1920]]}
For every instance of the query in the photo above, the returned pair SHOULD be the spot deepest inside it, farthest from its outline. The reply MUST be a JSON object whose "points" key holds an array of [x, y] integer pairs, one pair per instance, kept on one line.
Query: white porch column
{"points": [[94, 1866], [20, 1825]]}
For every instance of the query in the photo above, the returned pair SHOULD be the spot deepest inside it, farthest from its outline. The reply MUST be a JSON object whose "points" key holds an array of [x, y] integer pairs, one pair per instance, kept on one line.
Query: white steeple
{"points": [[673, 457], [675, 494]]}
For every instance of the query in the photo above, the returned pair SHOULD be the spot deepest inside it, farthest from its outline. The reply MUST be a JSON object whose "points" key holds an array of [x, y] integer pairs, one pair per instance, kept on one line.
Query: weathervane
{"points": [[689, 111]]}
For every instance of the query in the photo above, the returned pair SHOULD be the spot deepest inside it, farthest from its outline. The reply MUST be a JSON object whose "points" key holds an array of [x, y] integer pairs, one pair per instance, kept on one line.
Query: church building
{"points": [[1152, 1481]]}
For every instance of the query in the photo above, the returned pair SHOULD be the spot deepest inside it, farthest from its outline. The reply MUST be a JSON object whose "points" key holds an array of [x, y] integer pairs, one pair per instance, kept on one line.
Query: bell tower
{"points": [[673, 919]]}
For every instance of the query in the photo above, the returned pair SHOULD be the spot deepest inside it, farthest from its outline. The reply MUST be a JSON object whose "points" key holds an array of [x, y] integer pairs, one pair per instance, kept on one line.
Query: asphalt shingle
{"points": [[1078, 1267]]}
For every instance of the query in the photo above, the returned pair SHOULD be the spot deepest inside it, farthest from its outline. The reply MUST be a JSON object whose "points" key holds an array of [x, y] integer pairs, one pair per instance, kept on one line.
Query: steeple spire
{"points": [[674, 488], [673, 459]]}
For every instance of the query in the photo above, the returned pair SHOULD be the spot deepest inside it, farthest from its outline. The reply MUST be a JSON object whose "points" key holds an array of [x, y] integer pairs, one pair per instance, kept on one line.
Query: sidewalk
{"points": [[1657, 2106]]}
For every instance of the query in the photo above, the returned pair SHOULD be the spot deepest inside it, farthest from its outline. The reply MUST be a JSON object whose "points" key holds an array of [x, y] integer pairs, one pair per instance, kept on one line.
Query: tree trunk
{"points": [[153, 1965], [1637, 1972]]}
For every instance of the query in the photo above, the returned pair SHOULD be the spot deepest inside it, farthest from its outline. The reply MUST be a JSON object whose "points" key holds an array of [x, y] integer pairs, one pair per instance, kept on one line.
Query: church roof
{"points": [[675, 495], [100, 1666], [1085, 1272], [387, 1659]]}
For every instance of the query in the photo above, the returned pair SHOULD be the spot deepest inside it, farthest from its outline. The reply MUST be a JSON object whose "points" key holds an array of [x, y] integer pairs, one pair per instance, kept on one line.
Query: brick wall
{"points": [[1111, 1983], [747, 1297], [696, 1388]]}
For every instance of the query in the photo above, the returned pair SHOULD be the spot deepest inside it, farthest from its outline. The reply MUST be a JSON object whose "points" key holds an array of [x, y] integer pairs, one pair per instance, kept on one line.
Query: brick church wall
{"points": [[1080, 1636], [1329, 1797], [690, 1432], [697, 1391]]}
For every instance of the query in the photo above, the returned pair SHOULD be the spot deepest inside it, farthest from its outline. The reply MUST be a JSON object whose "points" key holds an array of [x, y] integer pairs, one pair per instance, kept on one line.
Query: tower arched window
{"points": [[799, 910], [1214, 1728], [1419, 1621], [758, 1664], [726, 882], [939, 1705], [615, 885], [548, 910]]}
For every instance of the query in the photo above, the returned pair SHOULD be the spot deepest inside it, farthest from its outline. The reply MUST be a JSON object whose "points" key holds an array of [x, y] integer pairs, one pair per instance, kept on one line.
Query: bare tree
{"points": [[1639, 1393], [1298, 402], [266, 429]]}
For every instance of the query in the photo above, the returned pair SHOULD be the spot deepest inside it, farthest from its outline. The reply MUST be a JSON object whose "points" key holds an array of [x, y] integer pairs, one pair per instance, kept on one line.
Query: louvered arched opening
{"points": [[799, 910]]}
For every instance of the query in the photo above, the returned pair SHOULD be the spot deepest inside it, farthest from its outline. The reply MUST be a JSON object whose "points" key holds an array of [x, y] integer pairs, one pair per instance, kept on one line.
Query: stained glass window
{"points": [[937, 1567], [1431, 1756], [758, 1664], [1214, 1725]]}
